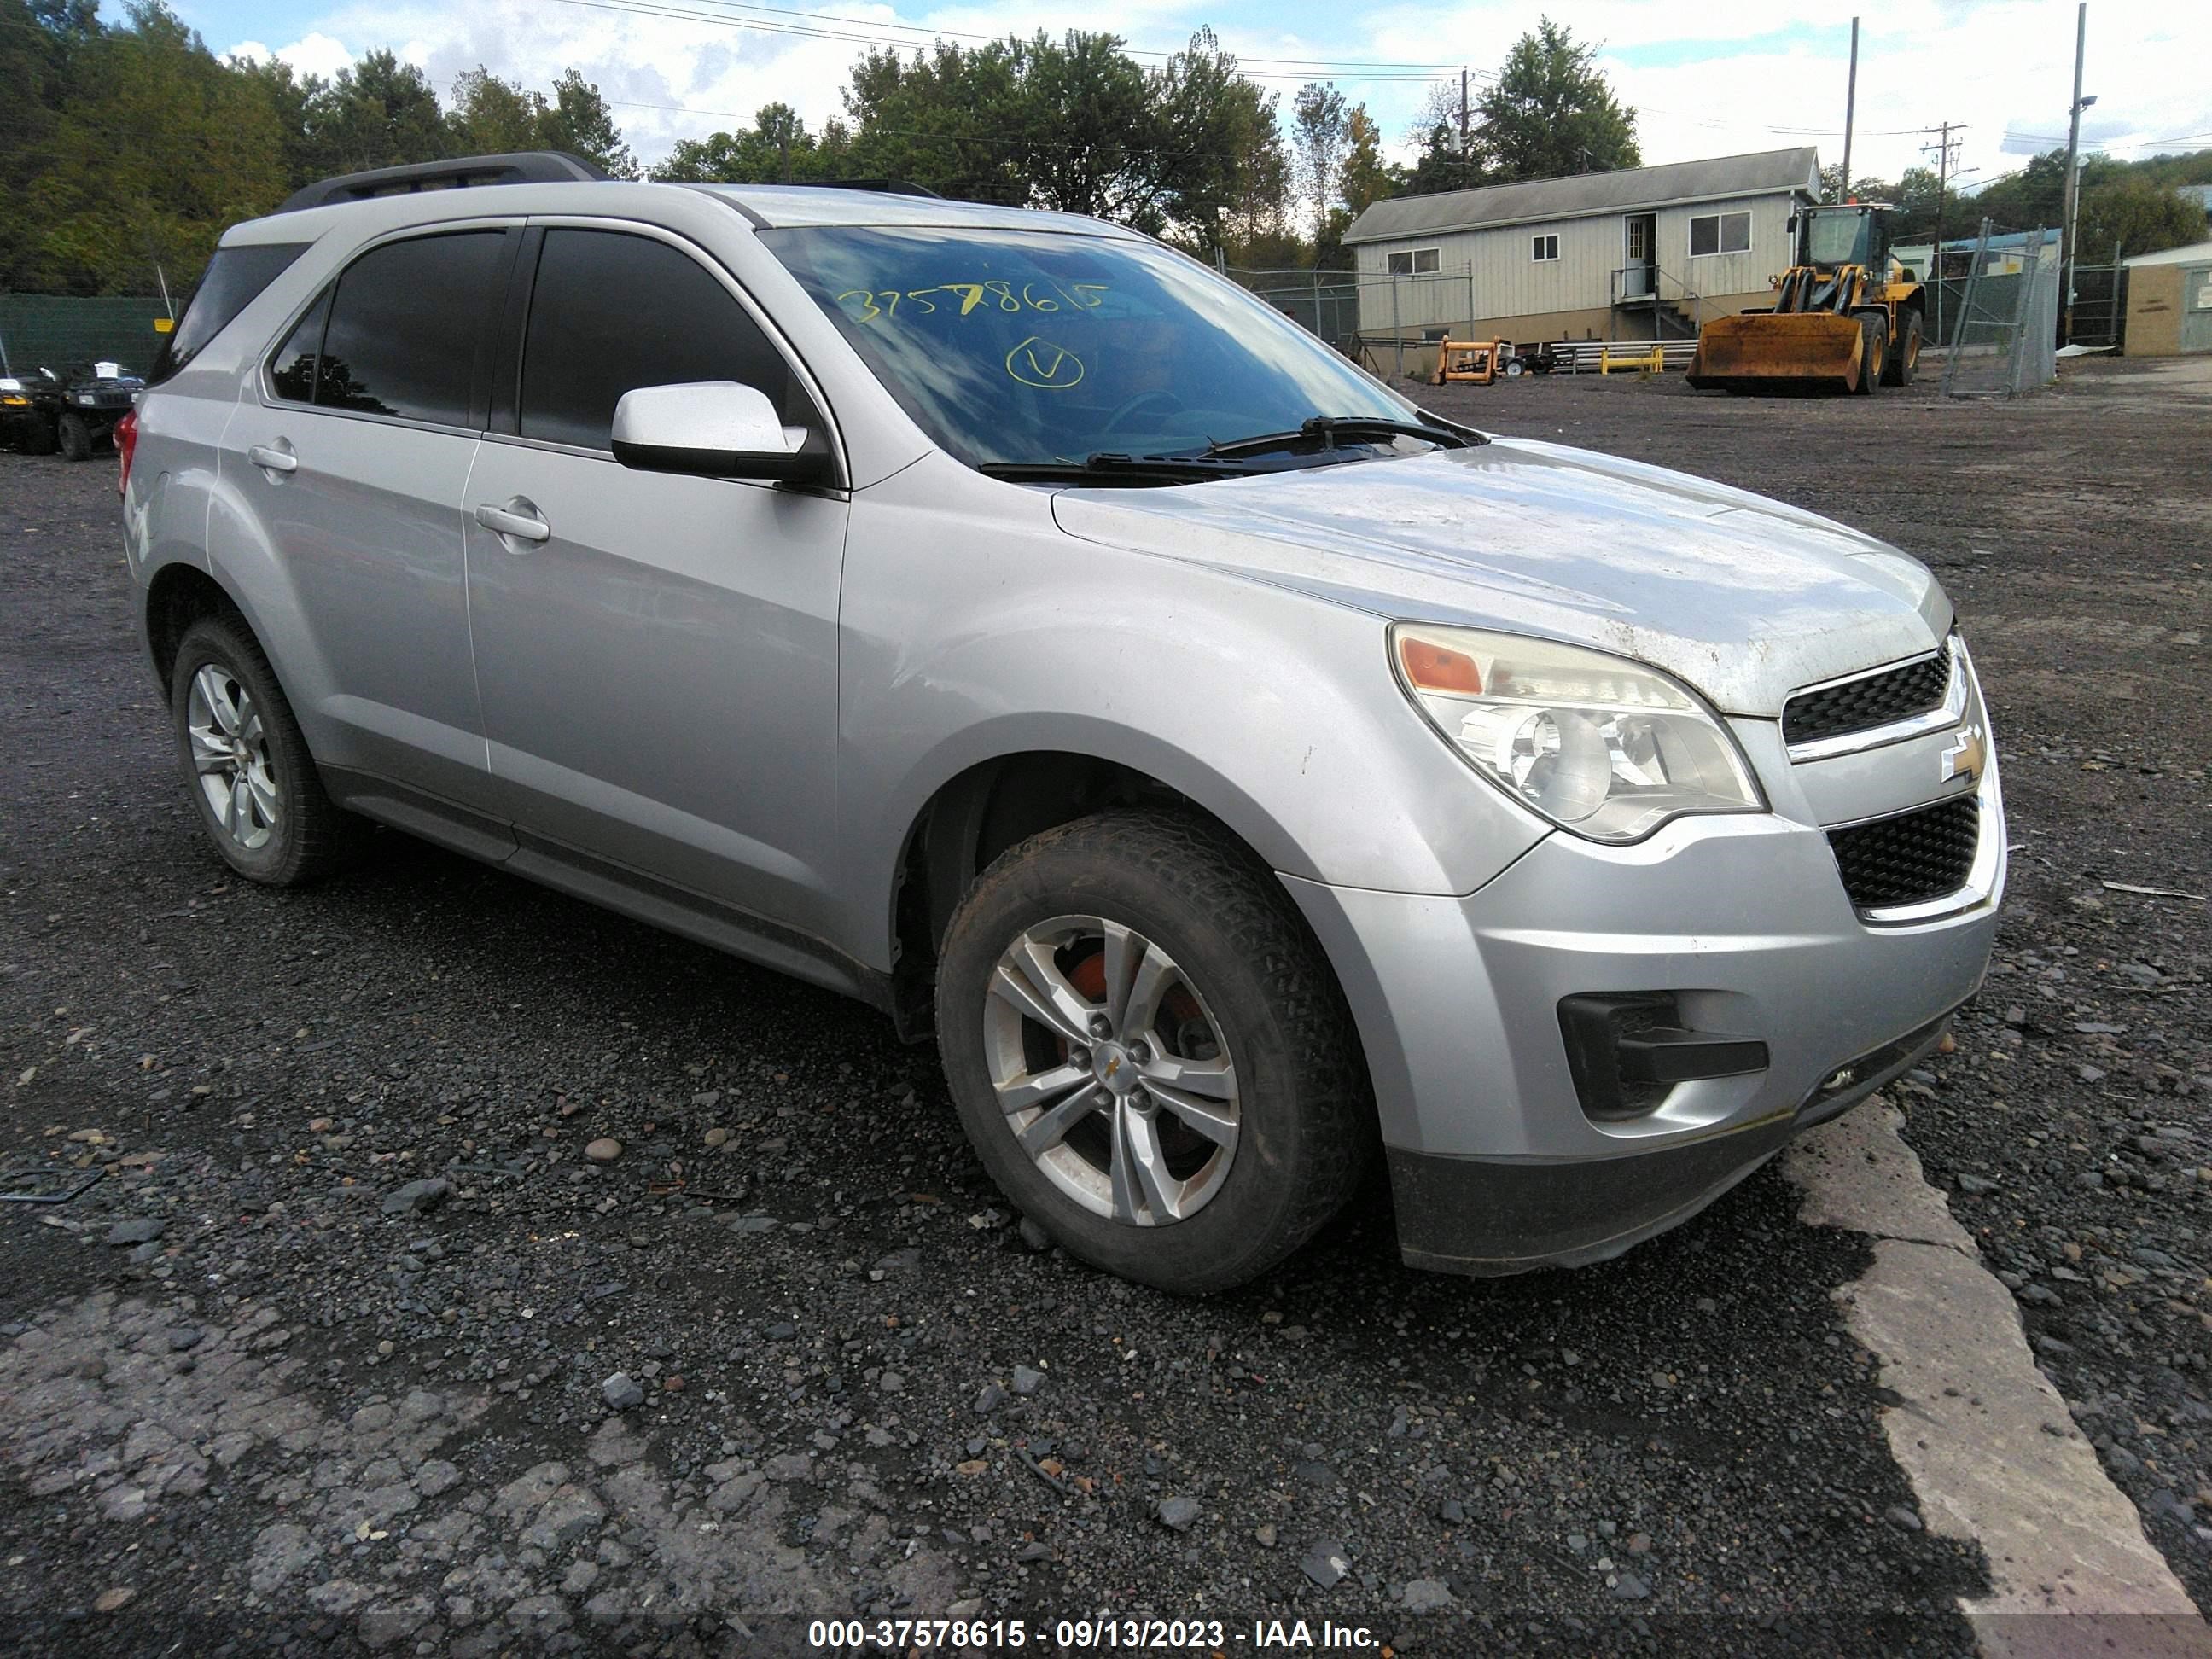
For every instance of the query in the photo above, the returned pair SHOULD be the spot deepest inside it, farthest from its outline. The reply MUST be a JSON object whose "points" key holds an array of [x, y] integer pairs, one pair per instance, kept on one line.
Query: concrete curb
{"points": [[1988, 1446]]}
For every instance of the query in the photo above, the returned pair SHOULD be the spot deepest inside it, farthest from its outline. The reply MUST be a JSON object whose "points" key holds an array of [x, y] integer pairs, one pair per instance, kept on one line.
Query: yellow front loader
{"points": [[1846, 317]]}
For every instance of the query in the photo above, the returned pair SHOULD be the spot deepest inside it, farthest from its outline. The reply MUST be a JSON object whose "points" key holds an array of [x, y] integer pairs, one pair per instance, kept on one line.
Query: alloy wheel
{"points": [[230, 757], [1114, 1075]]}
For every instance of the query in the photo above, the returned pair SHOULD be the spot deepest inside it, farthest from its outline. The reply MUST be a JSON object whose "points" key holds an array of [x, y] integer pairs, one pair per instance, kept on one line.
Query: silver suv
{"points": [[1001, 619]]}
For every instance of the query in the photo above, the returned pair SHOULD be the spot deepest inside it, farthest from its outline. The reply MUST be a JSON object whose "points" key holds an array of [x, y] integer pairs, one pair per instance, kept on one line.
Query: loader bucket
{"points": [[1780, 352]]}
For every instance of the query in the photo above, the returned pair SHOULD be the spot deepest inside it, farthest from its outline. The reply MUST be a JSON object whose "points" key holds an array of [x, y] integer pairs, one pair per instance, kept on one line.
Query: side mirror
{"points": [[1790, 225], [717, 428]]}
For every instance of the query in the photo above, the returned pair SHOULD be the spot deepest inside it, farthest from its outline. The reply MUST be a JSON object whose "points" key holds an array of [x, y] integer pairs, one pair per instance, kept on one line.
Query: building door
{"points": [[2197, 308], [1640, 231]]}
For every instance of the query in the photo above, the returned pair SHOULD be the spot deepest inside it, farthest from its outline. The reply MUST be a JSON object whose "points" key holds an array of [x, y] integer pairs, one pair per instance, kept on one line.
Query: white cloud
{"points": [[312, 54]]}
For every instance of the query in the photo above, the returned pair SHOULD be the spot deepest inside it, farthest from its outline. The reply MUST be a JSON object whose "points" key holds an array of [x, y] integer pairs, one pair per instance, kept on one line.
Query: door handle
{"points": [[518, 519], [274, 458]]}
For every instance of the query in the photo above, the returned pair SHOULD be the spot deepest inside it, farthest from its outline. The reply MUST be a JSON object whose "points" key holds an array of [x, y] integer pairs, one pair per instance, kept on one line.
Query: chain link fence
{"points": [[2004, 342], [1390, 324], [52, 331]]}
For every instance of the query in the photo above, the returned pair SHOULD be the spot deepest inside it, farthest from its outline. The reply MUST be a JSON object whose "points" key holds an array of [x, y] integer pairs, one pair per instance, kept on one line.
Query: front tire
{"points": [[1904, 356], [75, 438], [1873, 354], [252, 779], [1149, 1052]]}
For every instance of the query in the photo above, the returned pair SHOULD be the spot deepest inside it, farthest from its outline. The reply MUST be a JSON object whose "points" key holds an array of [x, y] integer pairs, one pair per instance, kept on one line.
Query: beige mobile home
{"points": [[1643, 253]]}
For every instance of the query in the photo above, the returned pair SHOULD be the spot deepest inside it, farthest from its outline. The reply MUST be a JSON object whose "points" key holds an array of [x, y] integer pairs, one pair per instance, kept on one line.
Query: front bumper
{"points": [[1496, 1165]]}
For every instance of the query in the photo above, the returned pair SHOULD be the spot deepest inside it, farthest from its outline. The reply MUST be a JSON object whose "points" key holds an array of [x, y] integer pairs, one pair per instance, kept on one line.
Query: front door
{"points": [[2197, 308], [1639, 231], [658, 653], [353, 468]]}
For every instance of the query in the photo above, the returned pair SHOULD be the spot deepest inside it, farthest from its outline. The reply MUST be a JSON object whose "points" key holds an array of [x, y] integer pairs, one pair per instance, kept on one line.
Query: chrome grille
{"points": [[1870, 701]]}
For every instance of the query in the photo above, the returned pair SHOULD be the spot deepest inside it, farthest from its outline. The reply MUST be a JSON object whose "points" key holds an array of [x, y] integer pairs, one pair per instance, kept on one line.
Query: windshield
{"points": [[1040, 346], [1837, 239]]}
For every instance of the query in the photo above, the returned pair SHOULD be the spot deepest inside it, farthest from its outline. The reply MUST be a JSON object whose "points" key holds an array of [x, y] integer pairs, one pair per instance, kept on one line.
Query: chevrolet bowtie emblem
{"points": [[1966, 756]]}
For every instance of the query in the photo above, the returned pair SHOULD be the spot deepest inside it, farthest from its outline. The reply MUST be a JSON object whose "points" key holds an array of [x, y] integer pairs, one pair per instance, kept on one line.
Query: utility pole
{"points": [[1850, 108], [1463, 157], [2073, 178], [1943, 146]]}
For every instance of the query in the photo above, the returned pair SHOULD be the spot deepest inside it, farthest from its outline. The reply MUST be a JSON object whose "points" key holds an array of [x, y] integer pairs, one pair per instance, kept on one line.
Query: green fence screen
{"points": [[49, 330]]}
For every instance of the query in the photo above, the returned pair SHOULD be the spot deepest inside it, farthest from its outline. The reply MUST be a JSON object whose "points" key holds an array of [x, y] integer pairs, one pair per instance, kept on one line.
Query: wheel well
{"points": [[179, 595], [974, 819]]}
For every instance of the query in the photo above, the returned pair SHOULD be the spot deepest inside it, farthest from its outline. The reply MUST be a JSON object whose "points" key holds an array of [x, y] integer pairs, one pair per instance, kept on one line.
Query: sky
{"points": [[1716, 78]]}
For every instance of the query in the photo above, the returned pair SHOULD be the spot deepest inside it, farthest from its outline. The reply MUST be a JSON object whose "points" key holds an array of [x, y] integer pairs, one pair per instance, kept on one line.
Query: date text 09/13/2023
{"points": [[1214, 1637]]}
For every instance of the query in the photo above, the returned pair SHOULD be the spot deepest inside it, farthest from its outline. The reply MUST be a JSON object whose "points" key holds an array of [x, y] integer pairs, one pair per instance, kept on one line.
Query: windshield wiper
{"points": [[1326, 428], [1110, 467]]}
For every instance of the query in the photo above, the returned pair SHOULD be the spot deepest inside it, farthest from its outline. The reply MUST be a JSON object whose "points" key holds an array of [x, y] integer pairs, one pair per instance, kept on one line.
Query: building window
{"points": [[1416, 262], [1544, 247], [1720, 232]]}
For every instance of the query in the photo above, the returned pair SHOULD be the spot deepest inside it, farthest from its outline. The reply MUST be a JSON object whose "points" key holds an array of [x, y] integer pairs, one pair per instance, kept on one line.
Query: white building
{"points": [[1643, 253]]}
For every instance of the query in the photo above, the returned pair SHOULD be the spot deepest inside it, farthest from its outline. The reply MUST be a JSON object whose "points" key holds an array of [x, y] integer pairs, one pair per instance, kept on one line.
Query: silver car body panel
{"points": [[726, 706], [1745, 599]]}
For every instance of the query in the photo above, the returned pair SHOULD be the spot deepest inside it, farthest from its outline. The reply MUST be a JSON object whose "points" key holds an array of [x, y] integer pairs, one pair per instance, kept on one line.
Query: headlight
{"points": [[1599, 744]]}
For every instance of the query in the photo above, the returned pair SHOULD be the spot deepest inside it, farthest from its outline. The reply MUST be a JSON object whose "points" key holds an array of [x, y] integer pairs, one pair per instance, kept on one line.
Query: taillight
{"points": [[126, 445]]}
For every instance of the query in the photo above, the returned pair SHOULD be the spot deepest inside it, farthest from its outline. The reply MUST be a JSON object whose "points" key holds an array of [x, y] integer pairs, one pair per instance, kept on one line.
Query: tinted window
{"points": [[406, 325], [612, 311], [292, 370], [233, 279]]}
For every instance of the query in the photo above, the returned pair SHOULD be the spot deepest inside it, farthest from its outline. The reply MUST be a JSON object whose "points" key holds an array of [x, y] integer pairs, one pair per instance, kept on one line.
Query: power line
{"points": [[1133, 52], [854, 34]]}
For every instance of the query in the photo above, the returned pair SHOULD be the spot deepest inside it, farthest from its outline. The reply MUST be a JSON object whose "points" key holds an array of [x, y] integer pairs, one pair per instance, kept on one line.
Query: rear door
{"points": [[355, 460], [658, 653]]}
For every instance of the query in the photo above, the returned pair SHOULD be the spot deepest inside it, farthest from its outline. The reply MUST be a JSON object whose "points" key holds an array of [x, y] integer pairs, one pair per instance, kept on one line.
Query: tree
{"points": [[577, 119], [2138, 215], [1216, 141], [951, 118], [1442, 165], [379, 113], [1364, 177], [1072, 123], [156, 148], [39, 43], [776, 149], [490, 115], [289, 97], [1317, 121], [1550, 111]]}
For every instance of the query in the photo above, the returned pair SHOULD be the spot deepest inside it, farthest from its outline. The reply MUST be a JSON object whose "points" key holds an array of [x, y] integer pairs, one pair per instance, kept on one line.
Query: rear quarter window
{"points": [[233, 279]]}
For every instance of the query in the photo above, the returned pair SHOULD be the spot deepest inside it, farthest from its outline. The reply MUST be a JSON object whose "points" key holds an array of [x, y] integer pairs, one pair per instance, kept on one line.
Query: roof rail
{"points": [[534, 166], [883, 187]]}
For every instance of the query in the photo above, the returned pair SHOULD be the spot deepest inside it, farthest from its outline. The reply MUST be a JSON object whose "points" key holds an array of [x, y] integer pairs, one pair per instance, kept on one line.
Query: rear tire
{"points": [[1904, 354], [75, 438], [38, 437], [1149, 1052], [246, 765]]}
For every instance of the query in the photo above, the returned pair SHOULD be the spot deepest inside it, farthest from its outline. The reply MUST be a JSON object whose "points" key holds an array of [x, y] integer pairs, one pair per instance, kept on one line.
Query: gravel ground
{"points": [[355, 1344]]}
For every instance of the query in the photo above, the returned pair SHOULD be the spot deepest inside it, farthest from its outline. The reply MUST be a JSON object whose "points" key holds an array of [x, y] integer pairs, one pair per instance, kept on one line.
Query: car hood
{"points": [[1744, 597]]}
